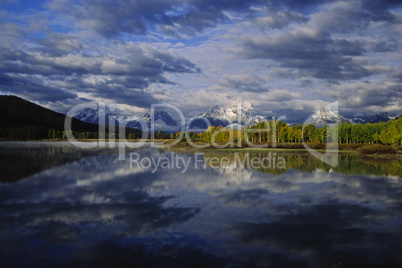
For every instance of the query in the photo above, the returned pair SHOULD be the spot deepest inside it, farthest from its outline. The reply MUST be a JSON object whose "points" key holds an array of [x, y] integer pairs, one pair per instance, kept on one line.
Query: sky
{"points": [[284, 57]]}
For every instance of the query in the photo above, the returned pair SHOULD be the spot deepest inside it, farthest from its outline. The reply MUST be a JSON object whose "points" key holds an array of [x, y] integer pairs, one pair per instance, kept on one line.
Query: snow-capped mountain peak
{"points": [[326, 116], [160, 115], [234, 114], [221, 115], [225, 116]]}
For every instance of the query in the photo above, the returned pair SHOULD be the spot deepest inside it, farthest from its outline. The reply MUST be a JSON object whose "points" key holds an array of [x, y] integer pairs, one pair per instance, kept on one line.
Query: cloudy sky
{"points": [[288, 57]]}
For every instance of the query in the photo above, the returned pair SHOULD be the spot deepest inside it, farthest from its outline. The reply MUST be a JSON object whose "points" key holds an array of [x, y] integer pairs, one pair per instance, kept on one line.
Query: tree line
{"points": [[278, 131]]}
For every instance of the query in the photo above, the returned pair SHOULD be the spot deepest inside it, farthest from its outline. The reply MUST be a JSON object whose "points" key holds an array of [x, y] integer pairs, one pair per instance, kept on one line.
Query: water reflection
{"points": [[278, 163], [19, 160], [99, 211]]}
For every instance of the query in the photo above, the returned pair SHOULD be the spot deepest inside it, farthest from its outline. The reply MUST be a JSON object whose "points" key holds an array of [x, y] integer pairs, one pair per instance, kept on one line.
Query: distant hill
{"points": [[21, 119], [17, 112]]}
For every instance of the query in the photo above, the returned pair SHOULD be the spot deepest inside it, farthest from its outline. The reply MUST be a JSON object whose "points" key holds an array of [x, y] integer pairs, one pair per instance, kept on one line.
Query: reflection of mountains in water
{"points": [[40, 157], [272, 163], [98, 210]]}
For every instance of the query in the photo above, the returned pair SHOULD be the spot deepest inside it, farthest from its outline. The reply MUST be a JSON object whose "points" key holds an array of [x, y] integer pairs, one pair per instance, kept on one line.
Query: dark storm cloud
{"points": [[110, 18], [279, 19], [244, 83], [33, 88], [299, 5], [134, 60], [381, 46], [319, 47], [176, 65], [122, 95], [363, 97], [173, 17], [58, 44], [318, 56], [57, 68], [380, 97], [377, 6], [120, 89], [11, 32]]}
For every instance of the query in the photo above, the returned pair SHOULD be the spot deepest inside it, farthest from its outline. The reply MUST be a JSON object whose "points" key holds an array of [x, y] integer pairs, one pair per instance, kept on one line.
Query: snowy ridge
{"points": [[162, 120], [228, 115], [323, 117], [225, 116], [331, 117]]}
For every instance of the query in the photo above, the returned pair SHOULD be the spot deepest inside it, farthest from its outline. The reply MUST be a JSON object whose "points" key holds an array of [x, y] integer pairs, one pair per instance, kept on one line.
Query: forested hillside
{"points": [[23, 120]]}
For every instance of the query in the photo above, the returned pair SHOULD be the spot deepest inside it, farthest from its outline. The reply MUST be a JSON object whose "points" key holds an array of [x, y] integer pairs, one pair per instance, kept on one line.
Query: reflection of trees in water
{"points": [[18, 162], [21, 161], [347, 164]]}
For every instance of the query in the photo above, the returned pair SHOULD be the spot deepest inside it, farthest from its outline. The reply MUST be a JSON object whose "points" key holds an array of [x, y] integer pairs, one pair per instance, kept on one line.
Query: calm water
{"points": [[63, 206]]}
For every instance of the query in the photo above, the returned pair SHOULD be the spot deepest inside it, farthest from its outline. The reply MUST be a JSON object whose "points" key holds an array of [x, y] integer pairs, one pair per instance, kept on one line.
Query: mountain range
{"points": [[374, 118], [233, 116], [163, 120], [323, 117], [17, 113], [226, 116]]}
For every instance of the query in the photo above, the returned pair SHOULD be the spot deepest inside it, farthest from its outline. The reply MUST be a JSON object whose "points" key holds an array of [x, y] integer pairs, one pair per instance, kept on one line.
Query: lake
{"points": [[63, 206]]}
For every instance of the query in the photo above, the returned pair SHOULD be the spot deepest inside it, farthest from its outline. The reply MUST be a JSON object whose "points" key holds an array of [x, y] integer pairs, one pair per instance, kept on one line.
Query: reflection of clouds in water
{"points": [[317, 187], [96, 196], [204, 181], [327, 233], [228, 199], [292, 219], [267, 199], [109, 175]]}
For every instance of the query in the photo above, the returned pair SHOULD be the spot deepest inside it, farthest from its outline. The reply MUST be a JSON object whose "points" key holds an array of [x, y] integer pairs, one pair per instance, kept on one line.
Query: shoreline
{"points": [[87, 140], [256, 150], [281, 150], [184, 147]]}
